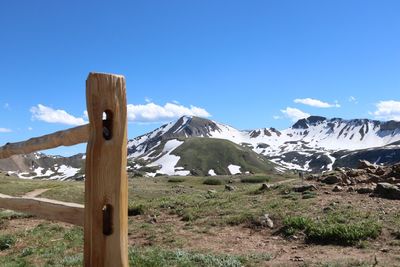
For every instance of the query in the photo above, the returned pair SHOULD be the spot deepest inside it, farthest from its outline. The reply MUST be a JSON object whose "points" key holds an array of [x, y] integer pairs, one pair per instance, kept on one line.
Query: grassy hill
{"points": [[202, 154]]}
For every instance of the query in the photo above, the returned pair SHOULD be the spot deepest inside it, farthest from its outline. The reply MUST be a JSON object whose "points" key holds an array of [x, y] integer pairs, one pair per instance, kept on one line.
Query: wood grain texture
{"points": [[45, 208], [68, 137], [106, 179]]}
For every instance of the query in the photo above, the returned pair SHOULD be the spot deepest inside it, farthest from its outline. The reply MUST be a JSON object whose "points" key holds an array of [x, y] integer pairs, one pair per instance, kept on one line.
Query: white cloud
{"points": [[276, 117], [6, 106], [352, 99], [316, 103], [387, 110], [30, 128], [151, 112], [50, 115], [5, 130], [294, 114]]}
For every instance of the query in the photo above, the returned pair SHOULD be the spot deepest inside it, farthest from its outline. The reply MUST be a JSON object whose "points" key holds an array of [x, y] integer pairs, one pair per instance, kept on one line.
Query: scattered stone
{"points": [[388, 191], [297, 259], [350, 189], [365, 190], [265, 187], [152, 219], [267, 221], [304, 188], [230, 187], [380, 171], [212, 191], [385, 250], [365, 164], [331, 179], [337, 188]]}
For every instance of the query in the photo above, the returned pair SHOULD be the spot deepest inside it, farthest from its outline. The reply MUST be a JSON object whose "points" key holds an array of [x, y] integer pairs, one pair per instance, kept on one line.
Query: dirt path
{"points": [[36, 192]]}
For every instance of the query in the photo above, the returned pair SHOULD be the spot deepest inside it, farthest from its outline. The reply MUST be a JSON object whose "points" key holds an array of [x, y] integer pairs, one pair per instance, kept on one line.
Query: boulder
{"points": [[366, 165], [355, 173], [380, 171], [304, 188], [265, 187], [388, 191], [331, 179], [337, 188], [365, 190], [230, 187], [265, 221]]}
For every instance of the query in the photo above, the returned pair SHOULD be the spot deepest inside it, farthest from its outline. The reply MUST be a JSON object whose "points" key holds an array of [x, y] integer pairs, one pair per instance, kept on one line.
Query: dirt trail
{"points": [[36, 192]]}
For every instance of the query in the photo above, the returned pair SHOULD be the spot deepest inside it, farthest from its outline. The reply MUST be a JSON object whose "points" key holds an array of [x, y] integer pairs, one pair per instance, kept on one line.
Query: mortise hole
{"points": [[107, 124], [107, 211]]}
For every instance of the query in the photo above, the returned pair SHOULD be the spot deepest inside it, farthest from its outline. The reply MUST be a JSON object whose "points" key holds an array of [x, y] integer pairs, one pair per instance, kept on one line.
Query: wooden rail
{"points": [[68, 137], [45, 208], [104, 216]]}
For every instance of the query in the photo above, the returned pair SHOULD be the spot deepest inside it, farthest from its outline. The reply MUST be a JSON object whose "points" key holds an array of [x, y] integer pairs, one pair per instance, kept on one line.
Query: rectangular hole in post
{"points": [[107, 124], [107, 219]]}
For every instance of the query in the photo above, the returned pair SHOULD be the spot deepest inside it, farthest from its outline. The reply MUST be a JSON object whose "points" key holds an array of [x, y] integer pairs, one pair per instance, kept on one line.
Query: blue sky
{"points": [[250, 64]]}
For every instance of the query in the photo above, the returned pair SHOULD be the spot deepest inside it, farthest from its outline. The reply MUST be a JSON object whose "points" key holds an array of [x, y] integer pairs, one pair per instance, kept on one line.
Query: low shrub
{"points": [[135, 210], [328, 232], [292, 225], [213, 181], [254, 179], [6, 242], [342, 234], [176, 180]]}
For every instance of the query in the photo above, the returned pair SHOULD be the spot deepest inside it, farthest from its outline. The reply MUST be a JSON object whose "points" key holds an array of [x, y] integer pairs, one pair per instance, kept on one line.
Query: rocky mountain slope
{"points": [[314, 144], [198, 146]]}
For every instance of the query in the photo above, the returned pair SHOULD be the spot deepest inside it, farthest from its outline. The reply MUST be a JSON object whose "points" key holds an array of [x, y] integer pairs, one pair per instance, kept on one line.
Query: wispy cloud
{"points": [[294, 114], [5, 130], [151, 112], [352, 99], [50, 115], [387, 110], [315, 103], [6, 106]]}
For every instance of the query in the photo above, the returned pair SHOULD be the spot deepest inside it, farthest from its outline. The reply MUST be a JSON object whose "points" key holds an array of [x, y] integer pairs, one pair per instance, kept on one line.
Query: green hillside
{"points": [[202, 154]]}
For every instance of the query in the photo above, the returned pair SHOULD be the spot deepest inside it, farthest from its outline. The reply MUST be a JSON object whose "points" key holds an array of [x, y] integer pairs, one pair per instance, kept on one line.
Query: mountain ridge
{"points": [[314, 144]]}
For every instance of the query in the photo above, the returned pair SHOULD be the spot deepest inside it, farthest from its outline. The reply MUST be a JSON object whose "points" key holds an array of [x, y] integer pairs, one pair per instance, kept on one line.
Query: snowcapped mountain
{"points": [[42, 166], [311, 144], [198, 146]]}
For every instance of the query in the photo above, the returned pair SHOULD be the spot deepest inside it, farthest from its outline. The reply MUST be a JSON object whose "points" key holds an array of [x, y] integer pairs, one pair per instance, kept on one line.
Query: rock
{"points": [[350, 189], [355, 173], [305, 187], [212, 191], [337, 188], [331, 179], [391, 180], [265, 187], [387, 190], [230, 187], [264, 221], [365, 190], [152, 219], [366, 165], [312, 177], [268, 221], [380, 171]]}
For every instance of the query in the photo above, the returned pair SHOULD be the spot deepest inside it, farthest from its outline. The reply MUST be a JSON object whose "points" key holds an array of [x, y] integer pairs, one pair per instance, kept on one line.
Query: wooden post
{"points": [[106, 184]]}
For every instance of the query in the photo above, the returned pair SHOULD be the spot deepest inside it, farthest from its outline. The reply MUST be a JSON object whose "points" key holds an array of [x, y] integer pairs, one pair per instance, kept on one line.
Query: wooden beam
{"points": [[106, 183], [68, 137], [45, 208]]}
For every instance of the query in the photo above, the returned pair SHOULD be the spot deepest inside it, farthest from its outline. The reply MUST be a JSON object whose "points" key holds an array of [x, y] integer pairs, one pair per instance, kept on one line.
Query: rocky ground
{"points": [[374, 180], [325, 220]]}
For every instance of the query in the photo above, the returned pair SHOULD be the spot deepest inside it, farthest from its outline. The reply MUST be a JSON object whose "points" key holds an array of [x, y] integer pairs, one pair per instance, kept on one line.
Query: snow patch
{"points": [[234, 169]]}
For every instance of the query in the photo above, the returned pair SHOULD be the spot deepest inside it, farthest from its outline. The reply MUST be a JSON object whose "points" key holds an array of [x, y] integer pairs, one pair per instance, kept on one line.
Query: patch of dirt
{"points": [[35, 193]]}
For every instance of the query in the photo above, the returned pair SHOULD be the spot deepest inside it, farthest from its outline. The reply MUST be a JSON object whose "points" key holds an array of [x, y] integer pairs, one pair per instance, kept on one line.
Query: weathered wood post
{"points": [[106, 184]]}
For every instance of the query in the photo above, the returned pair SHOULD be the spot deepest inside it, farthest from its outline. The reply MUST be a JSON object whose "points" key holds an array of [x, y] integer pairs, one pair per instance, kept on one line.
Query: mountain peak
{"points": [[310, 121]]}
